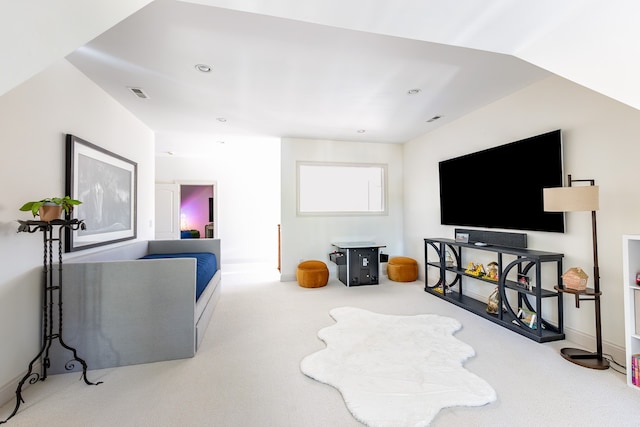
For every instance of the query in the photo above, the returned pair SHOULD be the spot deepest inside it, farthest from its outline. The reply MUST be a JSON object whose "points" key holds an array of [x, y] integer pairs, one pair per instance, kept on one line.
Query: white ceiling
{"points": [[327, 68], [279, 77]]}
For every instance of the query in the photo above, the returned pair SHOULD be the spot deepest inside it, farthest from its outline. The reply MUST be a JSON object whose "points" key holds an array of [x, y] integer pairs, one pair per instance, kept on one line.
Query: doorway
{"points": [[186, 210], [196, 211]]}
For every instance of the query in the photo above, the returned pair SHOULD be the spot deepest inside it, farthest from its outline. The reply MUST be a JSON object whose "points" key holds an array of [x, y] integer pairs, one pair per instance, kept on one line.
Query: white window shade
{"points": [[340, 188]]}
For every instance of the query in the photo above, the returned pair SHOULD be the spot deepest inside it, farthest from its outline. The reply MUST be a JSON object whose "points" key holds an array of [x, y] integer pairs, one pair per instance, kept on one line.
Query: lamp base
{"points": [[585, 358]]}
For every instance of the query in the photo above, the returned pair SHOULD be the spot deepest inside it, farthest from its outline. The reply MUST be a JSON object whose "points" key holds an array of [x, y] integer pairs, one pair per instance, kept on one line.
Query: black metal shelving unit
{"points": [[52, 303], [510, 261]]}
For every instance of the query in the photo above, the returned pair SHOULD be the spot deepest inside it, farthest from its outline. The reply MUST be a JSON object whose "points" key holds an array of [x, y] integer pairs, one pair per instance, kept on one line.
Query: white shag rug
{"points": [[395, 371]]}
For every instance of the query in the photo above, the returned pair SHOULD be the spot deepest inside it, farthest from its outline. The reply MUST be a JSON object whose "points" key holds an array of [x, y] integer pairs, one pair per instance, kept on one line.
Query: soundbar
{"points": [[497, 238]]}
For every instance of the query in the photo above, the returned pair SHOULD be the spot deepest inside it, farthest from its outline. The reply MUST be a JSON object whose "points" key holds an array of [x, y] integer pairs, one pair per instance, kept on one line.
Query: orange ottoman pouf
{"points": [[402, 269], [312, 274]]}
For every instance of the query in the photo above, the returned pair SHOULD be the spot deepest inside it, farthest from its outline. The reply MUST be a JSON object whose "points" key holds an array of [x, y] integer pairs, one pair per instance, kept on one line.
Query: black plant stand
{"points": [[50, 332]]}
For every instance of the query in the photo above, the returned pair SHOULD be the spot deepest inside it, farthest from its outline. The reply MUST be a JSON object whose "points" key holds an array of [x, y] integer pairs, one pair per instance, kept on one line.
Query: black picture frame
{"points": [[106, 184]]}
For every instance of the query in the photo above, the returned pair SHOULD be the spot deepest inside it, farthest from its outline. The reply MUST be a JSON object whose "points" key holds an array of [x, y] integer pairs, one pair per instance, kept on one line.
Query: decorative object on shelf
{"points": [[442, 288], [492, 274], [462, 237], [528, 317], [471, 267], [574, 199], [631, 269], [50, 208], [635, 369], [449, 259], [107, 183], [493, 302], [474, 269], [480, 272], [575, 278], [524, 281], [638, 279]]}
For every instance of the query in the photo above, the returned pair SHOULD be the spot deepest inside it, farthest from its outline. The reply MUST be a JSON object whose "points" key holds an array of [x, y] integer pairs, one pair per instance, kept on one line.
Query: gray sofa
{"points": [[121, 310]]}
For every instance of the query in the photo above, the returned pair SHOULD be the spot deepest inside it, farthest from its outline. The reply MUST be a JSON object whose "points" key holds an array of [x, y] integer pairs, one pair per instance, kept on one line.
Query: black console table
{"points": [[451, 257], [358, 262], [52, 297]]}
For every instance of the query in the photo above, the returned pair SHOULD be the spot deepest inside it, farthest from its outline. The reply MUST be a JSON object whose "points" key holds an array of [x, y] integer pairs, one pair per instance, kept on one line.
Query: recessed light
{"points": [[361, 131], [203, 68], [221, 119], [414, 91], [433, 119]]}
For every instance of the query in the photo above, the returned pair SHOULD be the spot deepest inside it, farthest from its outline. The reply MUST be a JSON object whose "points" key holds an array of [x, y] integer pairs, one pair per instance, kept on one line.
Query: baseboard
{"points": [[588, 342], [292, 277], [287, 277], [581, 339], [8, 391]]}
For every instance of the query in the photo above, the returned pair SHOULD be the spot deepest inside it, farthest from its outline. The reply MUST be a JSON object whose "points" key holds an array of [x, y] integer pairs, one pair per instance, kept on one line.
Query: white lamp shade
{"points": [[570, 199]]}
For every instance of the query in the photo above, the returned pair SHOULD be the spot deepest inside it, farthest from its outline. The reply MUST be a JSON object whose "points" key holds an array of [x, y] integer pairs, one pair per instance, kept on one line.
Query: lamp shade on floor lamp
{"points": [[575, 199]]}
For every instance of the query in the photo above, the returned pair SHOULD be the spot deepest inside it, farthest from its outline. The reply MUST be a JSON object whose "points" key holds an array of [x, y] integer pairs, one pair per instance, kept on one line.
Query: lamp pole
{"points": [[581, 357], [596, 287]]}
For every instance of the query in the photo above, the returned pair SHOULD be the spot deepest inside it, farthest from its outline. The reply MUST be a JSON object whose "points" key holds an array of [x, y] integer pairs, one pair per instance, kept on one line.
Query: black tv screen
{"points": [[501, 187]]}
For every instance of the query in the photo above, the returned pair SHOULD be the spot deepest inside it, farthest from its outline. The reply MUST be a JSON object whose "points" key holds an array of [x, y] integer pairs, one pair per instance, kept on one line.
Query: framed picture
{"points": [[462, 237], [106, 184]]}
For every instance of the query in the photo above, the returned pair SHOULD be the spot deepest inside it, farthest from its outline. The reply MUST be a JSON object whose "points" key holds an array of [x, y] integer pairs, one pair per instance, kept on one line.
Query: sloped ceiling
{"points": [[36, 33], [279, 77], [321, 68], [591, 42]]}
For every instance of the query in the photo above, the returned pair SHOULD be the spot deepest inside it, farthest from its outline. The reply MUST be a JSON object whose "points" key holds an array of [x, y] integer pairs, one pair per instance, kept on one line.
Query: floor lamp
{"points": [[573, 199]]}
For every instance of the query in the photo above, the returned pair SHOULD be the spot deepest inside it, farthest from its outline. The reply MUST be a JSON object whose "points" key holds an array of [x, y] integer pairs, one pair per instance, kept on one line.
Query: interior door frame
{"points": [[214, 188]]}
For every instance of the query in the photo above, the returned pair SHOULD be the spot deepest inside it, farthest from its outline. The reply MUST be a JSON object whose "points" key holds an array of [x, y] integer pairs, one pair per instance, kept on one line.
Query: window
{"points": [[341, 189]]}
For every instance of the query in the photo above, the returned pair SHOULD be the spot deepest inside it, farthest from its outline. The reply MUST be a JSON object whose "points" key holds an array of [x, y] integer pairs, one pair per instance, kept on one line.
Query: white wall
{"points": [[34, 118], [600, 142], [247, 176], [36, 24], [310, 237]]}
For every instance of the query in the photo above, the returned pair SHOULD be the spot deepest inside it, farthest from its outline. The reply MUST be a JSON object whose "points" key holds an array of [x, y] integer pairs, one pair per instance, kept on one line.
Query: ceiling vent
{"points": [[138, 92]]}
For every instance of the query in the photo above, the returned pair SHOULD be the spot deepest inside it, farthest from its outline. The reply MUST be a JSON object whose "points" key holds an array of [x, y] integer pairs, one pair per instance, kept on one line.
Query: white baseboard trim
{"points": [[588, 342], [287, 277], [8, 391], [583, 340]]}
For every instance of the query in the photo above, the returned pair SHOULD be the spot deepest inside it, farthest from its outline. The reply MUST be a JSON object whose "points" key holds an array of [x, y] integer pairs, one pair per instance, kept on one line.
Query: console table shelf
{"points": [[510, 261]]}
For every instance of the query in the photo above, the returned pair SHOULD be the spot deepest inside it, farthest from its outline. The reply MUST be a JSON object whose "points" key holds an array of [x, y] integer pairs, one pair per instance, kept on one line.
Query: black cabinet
{"points": [[519, 284], [358, 262]]}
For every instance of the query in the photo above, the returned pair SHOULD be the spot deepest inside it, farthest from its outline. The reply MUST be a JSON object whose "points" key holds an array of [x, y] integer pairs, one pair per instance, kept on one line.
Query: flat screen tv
{"points": [[501, 187]]}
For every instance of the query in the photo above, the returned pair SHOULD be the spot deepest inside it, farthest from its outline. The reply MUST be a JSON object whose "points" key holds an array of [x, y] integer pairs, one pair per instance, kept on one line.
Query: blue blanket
{"points": [[206, 266]]}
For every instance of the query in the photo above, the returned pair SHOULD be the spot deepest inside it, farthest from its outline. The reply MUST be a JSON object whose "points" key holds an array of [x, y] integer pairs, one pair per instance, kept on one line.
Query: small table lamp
{"points": [[572, 199]]}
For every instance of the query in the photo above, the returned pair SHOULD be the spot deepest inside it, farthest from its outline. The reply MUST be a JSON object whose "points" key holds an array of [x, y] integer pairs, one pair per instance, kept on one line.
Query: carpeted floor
{"points": [[247, 372]]}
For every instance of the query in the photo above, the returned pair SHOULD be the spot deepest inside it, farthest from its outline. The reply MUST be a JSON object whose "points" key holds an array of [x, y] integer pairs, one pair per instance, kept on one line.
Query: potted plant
{"points": [[50, 208]]}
